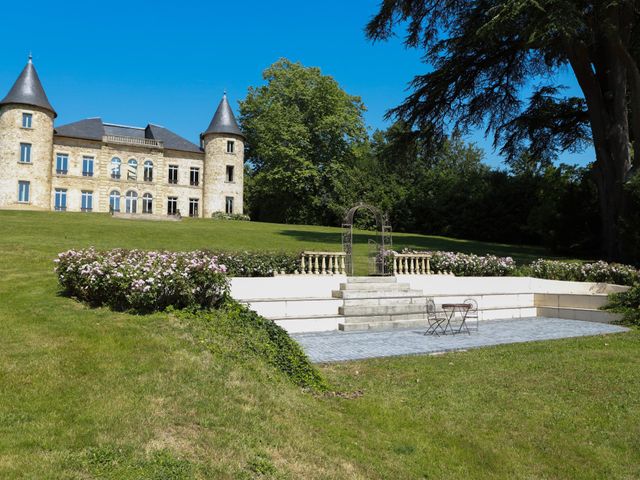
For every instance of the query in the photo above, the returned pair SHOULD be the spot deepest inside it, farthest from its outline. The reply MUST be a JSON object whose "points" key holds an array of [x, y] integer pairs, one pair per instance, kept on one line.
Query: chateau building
{"points": [[93, 166]]}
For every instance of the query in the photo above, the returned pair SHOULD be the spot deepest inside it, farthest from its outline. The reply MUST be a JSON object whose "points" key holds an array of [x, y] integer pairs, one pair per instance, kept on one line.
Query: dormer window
{"points": [[230, 146], [27, 120]]}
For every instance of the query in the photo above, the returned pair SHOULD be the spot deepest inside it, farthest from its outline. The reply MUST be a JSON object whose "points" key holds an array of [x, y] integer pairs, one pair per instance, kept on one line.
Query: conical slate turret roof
{"points": [[224, 121], [28, 90]]}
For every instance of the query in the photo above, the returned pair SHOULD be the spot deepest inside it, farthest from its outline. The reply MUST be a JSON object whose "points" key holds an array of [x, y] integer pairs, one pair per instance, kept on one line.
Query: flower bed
{"points": [[142, 281], [584, 272], [465, 265]]}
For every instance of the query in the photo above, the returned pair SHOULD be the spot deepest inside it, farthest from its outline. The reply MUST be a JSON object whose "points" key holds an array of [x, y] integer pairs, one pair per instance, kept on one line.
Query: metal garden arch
{"points": [[377, 251]]}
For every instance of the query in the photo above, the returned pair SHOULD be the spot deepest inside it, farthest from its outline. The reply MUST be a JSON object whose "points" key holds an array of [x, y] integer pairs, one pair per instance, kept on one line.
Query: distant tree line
{"points": [[310, 157]]}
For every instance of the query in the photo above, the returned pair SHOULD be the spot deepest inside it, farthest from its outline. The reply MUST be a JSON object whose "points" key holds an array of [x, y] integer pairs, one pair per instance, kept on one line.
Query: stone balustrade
{"points": [[141, 142], [411, 263], [322, 263]]}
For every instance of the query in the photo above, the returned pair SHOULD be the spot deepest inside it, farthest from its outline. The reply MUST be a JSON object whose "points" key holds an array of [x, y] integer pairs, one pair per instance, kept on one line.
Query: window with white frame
{"points": [[62, 163], [87, 166], [114, 201], [148, 171], [228, 205], [25, 153], [173, 174], [115, 167], [24, 193], [194, 176], [229, 175], [131, 202], [60, 199], [87, 200], [147, 203], [231, 145], [172, 205], [194, 204], [27, 120], [132, 170]]}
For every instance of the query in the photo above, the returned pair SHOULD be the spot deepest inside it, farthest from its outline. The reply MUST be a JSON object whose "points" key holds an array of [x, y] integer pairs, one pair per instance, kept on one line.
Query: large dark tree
{"points": [[485, 53]]}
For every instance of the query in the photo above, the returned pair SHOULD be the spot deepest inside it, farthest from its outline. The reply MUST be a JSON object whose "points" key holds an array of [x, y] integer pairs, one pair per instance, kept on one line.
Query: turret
{"points": [[223, 144], [26, 144]]}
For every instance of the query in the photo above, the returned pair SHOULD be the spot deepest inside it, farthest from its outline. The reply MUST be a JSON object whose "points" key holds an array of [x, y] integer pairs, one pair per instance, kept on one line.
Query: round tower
{"points": [[223, 144], [26, 144]]}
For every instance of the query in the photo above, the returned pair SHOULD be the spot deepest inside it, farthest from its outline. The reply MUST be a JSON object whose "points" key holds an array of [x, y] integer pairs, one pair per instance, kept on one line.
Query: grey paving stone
{"points": [[340, 346]]}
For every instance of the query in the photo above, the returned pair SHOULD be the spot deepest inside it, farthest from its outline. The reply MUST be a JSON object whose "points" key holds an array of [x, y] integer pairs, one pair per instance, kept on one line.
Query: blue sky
{"points": [[168, 63]]}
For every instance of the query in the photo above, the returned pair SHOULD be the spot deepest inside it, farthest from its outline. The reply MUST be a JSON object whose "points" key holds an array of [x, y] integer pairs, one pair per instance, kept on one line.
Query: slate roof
{"points": [[95, 129], [223, 120], [28, 90]]}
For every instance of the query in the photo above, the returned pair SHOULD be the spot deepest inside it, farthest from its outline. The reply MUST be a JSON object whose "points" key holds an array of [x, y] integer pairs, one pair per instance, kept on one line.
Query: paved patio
{"points": [[340, 346]]}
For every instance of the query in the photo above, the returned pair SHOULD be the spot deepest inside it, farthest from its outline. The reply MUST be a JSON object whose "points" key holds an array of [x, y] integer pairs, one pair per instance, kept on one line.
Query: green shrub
{"points": [[230, 216], [258, 264], [261, 337], [627, 303]]}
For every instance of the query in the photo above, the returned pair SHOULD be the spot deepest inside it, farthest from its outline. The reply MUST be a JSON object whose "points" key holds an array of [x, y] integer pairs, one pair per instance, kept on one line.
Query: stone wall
{"points": [[216, 161], [38, 172]]}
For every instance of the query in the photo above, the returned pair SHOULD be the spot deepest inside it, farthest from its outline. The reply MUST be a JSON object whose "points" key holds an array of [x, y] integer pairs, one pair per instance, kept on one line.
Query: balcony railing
{"points": [[139, 142]]}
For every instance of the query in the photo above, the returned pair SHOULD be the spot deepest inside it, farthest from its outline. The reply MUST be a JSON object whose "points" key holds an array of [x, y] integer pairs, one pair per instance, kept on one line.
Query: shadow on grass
{"points": [[521, 253]]}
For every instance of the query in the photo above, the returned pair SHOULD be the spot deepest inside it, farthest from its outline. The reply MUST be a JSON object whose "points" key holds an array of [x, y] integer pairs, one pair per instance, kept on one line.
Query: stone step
{"points": [[368, 294], [384, 301], [359, 310], [384, 318], [377, 286], [388, 325], [372, 280]]}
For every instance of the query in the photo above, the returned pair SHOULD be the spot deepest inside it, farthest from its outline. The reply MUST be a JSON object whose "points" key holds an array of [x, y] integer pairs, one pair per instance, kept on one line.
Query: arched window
{"points": [[148, 171], [115, 167], [147, 203], [132, 170], [131, 202], [114, 201]]}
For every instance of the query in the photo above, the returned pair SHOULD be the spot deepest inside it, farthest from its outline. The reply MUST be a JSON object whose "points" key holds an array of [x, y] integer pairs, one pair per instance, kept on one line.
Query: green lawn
{"points": [[88, 393]]}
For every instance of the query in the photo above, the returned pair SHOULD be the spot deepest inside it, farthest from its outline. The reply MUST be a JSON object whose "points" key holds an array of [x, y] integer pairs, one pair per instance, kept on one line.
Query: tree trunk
{"points": [[603, 79]]}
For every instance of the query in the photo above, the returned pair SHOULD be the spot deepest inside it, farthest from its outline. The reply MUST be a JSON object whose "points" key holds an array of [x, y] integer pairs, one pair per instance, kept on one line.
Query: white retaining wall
{"points": [[302, 303]]}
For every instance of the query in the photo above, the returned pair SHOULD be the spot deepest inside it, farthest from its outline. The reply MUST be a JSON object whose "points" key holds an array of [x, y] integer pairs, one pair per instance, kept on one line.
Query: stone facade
{"points": [[74, 167], [37, 171]]}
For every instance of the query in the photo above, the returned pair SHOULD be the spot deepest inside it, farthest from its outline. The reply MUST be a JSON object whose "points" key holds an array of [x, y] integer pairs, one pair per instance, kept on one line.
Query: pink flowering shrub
{"points": [[469, 265], [585, 272], [142, 281]]}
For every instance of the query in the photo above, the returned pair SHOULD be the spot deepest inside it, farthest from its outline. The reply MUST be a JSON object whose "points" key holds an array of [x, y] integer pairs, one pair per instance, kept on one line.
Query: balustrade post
{"points": [[428, 267], [302, 266], [343, 270], [315, 264]]}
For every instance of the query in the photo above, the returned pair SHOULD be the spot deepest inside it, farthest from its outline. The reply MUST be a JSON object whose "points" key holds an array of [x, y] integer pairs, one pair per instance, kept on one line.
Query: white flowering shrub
{"points": [[469, 265], [599, 271], [142, 281]]}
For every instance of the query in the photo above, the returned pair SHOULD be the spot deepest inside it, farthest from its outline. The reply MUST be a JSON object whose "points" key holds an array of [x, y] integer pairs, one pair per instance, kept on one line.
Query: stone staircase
{"points": [[379, 303]]}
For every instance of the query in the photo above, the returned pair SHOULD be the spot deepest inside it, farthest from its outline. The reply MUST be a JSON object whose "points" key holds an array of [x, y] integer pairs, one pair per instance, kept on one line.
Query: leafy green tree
{"points": [[304, 136], [486, 52]]}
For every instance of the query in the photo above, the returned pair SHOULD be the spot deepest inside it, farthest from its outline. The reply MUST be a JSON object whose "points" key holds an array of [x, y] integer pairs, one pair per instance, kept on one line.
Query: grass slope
{"points": [[89, 393]]}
